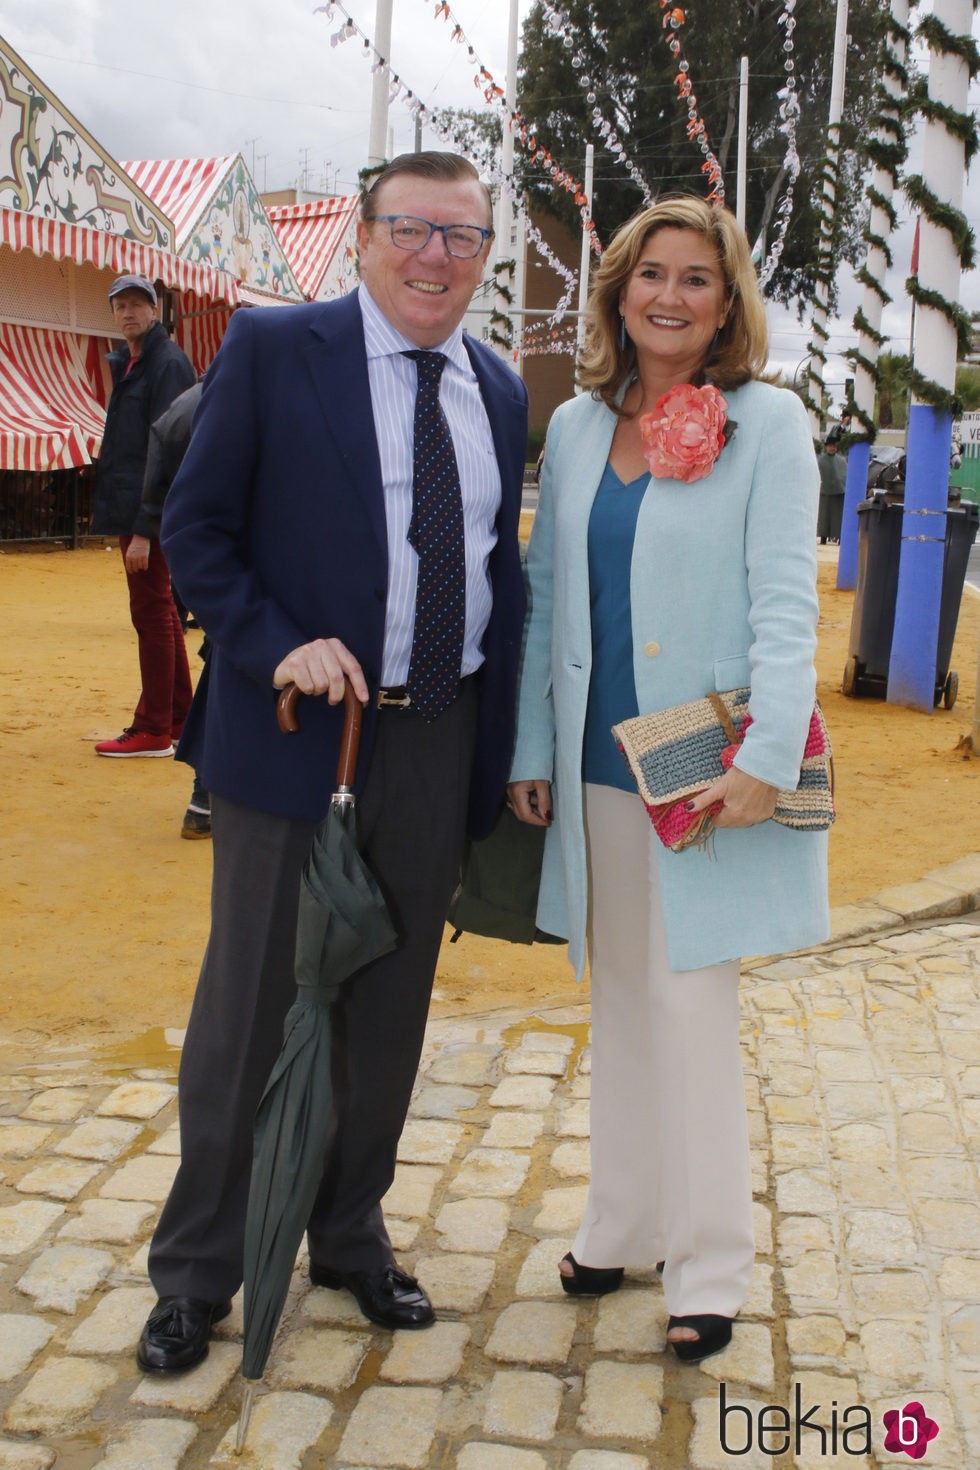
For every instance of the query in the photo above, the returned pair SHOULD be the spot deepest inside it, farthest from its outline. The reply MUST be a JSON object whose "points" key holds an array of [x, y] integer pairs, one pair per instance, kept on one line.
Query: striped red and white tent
{"points": [[118, 253], [53, 363], [313, 235], [33, 435]]}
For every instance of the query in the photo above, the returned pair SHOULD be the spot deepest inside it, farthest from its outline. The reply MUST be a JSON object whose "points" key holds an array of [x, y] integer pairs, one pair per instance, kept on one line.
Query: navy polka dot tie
{"points": [[436, 533]]}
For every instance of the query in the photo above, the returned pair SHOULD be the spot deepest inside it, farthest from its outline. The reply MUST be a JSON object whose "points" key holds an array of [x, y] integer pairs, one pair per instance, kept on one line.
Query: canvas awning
{"points": [[33, 434], [118, 253], [53, 366]]}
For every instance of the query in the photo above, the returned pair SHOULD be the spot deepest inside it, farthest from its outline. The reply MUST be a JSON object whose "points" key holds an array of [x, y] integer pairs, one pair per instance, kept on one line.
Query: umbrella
{"points": [[342, 925]]}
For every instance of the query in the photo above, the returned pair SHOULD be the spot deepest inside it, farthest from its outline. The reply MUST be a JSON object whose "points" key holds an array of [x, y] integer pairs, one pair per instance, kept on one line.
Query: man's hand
{"points": [[530, 801], [319, 668], [138, 554], [745, 800]]}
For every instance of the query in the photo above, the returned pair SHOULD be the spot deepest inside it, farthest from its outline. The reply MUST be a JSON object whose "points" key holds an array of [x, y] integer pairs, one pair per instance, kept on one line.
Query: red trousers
{"points": [[166, 693]]}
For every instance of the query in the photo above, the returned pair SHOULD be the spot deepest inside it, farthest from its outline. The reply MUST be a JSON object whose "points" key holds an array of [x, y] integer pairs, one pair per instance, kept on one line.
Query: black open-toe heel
{"points": [[590, 1280], [713, 1335]]}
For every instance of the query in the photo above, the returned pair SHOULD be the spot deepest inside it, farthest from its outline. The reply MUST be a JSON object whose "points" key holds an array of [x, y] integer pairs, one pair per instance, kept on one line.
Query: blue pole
{"points": [[915, 640], [855, 490]]}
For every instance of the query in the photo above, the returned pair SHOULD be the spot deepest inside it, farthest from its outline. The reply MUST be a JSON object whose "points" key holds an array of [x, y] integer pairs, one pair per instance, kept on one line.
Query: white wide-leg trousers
{"points": [[671, 1178]]}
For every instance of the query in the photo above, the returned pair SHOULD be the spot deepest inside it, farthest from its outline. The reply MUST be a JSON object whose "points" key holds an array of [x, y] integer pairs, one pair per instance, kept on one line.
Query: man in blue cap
{"points": [[148, 372]]}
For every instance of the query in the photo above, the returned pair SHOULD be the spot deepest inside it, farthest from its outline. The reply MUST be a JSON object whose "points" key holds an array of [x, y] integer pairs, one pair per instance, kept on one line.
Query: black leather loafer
{"points": [[176, 1334], [389, 1297]]}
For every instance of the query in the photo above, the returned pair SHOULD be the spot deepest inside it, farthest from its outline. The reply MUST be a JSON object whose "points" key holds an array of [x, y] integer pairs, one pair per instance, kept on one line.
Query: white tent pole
{"points": [[583, 269], [743, 140]]}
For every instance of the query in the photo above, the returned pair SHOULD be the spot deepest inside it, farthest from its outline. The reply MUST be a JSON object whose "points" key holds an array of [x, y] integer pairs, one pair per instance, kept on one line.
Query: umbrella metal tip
{"points": [[248, 1399]]}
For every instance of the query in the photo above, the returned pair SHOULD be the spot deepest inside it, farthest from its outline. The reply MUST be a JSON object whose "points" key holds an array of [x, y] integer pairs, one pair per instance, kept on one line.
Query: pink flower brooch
{"points": [[686, 432]]}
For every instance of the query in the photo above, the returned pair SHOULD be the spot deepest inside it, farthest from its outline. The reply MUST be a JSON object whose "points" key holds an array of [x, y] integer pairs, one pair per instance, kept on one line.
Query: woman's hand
{"points": [[745, 800], [530, 801], [319, 668]]}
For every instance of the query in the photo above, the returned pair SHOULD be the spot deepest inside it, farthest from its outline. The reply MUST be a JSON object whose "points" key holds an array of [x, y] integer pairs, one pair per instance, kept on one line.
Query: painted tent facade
{"points": [[70, 221], [220, 223]]}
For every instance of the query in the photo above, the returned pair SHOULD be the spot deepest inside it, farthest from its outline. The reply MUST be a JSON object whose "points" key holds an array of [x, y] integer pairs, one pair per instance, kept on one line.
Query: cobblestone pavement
{"points": [[862, 1065]]}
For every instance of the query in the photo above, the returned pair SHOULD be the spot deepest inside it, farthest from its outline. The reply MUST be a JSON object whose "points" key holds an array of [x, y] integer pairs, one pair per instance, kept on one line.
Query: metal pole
{"points": [[828, 200], [520, 279], [379, 87], [912, 666], [743, 140], [583, 268]]}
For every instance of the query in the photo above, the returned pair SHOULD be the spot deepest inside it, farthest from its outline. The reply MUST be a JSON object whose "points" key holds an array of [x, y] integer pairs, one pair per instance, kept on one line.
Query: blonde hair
{"points": [[740, 348]]}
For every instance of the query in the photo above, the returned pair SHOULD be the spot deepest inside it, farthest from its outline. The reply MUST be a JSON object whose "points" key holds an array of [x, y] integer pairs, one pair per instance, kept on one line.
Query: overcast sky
{"points": [[193, 79]]}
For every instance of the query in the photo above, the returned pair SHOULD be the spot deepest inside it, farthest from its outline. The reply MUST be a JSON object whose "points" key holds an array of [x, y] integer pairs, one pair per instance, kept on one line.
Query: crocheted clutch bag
{"points": [[675, 753]]}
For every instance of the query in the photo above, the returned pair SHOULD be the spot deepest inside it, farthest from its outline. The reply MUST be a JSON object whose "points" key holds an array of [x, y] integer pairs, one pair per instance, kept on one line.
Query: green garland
{"points": [[943, 42], [948, 218], [501, 332], [958, 319], [867, 279], [887, 208], [862, 325], [939, 38], [959, 124], [888, 157], [933, 394], [881, 243]]}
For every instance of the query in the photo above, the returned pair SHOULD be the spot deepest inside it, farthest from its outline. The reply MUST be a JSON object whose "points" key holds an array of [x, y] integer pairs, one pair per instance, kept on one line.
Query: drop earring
{"points": [[622, 333]]}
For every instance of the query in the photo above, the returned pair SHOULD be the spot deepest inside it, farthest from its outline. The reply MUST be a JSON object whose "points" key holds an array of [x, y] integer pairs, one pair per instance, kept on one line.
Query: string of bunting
{"points": [[492, 92], [401, 91], [561, 27], [673, 19], [555, 344], [789, 114]]}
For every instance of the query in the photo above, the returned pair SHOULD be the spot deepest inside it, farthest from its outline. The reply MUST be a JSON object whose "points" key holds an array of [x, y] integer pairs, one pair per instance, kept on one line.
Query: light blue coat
{"points": [[723, 594]]}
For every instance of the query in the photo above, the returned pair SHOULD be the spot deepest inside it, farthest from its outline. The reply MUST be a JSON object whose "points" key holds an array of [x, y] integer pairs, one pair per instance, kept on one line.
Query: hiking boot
{"points": [[136, 742]]}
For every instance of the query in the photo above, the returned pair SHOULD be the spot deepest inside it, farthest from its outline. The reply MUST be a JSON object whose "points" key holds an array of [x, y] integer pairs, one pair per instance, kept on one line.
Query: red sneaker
{"points": [[135, 742]]}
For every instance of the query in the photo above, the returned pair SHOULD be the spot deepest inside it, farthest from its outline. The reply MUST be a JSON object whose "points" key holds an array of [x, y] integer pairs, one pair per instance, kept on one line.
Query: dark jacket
{"points": [[170, 435], [275, 533], [138, 397]]}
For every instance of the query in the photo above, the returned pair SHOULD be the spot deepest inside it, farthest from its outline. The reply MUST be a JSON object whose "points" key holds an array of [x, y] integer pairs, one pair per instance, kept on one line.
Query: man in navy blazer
{"points": [[286, 532]]}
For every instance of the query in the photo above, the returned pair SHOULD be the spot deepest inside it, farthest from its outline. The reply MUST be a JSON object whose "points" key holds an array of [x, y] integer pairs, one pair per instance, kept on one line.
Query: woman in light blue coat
{"points": [[648, 590]]}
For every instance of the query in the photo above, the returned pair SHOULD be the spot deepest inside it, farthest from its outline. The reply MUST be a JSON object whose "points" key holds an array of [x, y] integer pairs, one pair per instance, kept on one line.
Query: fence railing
{"points": [[52, 507]]}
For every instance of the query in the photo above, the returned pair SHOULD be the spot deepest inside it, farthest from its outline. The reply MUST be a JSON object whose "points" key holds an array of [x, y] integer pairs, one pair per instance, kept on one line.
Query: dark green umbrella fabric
{"points": [[342, 925]]}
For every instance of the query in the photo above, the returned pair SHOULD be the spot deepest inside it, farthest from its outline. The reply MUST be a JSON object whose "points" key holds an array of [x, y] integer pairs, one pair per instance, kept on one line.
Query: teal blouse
{"points": [[612, 689]]}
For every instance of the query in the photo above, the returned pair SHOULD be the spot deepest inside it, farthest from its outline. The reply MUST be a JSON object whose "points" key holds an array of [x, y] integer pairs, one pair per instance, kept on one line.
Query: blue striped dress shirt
{"points": [[393, 381]]}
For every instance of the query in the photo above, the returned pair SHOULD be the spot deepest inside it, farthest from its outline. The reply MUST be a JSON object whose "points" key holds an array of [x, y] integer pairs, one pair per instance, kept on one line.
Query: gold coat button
{"points": [[651, 649]]}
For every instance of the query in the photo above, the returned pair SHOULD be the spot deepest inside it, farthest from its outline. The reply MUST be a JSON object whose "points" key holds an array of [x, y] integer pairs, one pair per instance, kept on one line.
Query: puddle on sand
{"points": [[157, 1049], [577, 1030]]}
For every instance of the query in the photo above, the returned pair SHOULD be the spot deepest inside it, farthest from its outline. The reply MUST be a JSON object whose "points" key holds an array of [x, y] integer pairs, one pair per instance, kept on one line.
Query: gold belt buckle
{"points": [[388, 701]]}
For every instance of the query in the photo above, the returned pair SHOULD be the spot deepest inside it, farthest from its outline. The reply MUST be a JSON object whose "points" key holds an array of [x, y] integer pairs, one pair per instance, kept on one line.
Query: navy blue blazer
{"points": [[275, 533]]}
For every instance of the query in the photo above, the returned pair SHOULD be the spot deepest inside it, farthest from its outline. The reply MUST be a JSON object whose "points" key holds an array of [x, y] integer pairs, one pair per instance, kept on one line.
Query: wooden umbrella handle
{"points": [[350, 740]]}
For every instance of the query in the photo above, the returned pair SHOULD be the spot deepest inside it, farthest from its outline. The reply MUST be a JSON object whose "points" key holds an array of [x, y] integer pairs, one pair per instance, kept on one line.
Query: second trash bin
{"points": [[873, 618]]}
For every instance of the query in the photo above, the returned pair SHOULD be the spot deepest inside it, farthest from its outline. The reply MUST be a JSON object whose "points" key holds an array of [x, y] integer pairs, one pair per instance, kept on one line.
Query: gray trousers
{"points": [[411, 826]]}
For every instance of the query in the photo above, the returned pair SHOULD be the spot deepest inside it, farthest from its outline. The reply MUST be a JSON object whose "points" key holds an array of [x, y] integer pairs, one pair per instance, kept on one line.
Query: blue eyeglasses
{"points": [[409, 233]]}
